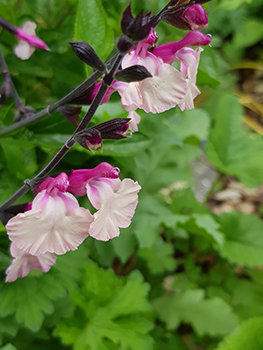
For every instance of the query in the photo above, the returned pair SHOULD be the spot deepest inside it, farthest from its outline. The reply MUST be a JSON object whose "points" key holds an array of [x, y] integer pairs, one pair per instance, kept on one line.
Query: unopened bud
{"points": [[71, 114], [125, 44], [88, 55], [114, 129], [195, 16], [133, 73], [89, 139], [194, 19], [12, 211], [94, 143], [84, 97], [136, 28]]}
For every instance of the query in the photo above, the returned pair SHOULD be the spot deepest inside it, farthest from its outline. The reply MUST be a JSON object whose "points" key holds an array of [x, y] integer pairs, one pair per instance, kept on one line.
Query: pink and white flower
{"points": [[115, 200], [168, 87], [55, 224], [28, 41], [23, 263]]}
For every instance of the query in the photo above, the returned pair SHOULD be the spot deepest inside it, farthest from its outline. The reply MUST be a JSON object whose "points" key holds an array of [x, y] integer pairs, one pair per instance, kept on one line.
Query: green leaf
{"points": [[243, 238], [205, 225], [8, 347], [108, 311], [69, 267], [159, 257], [249, 335], [249, 34], [29, 299], [92, 26], [125, 244], [230, 148], [193, 123], [20, 157], [168, 341], [9, 325], [207, 316], [151, 214]]}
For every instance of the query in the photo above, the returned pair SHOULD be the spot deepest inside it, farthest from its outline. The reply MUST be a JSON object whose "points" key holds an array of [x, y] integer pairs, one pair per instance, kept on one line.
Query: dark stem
{"points": [[63, 151], [8, 80], [66, 99], [23, 190]]}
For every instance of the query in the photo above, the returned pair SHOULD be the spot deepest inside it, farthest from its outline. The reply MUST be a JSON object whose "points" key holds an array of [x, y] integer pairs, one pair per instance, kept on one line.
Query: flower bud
{"points": [[195, 16], [136, 28], [89, 139], [185, 15], [124, 45], [12, 211], [71, 114], [88, 55], [114, 129], [84, 97], [133, 73], [94, 143]]}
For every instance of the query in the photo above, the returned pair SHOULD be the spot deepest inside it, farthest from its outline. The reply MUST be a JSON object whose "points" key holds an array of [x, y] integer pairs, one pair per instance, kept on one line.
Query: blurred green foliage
{"points": [[180, 277]]}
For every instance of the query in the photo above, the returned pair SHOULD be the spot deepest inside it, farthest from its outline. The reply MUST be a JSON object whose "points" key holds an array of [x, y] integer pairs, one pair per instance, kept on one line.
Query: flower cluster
{"points": [[55, 223], [167, 87]]}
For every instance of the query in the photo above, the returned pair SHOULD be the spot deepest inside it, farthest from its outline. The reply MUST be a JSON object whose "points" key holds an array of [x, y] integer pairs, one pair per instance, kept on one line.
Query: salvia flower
{"points": [[115, 200], [168, 87], [55, 223], [28, 41], [27, 37], [23, 263]]}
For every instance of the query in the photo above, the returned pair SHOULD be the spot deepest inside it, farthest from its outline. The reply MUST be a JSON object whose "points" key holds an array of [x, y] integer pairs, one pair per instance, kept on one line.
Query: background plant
{"points": [[181, 276]]}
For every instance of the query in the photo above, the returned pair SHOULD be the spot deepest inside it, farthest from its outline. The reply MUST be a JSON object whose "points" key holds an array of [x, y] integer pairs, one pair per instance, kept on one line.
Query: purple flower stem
{"points": [[32, 184], [53, 107], [8, 80]]}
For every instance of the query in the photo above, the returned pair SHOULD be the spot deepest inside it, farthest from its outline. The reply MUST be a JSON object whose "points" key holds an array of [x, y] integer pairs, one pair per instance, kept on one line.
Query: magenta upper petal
{"points": [[167, 52], [31, 39], [60, 183], [79, 178]]}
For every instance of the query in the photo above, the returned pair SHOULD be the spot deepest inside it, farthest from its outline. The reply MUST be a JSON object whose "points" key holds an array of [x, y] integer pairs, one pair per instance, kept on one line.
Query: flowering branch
{"points": [[32, 184], [146, 80]]}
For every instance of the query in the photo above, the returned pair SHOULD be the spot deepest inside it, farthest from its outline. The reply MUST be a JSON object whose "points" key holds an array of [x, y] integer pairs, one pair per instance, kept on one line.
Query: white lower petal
{"points": [[53, 229], [131, 98], [116, 210], [23, 50], [188, 101], [24, 263], [163, 91], [135, 120]]}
